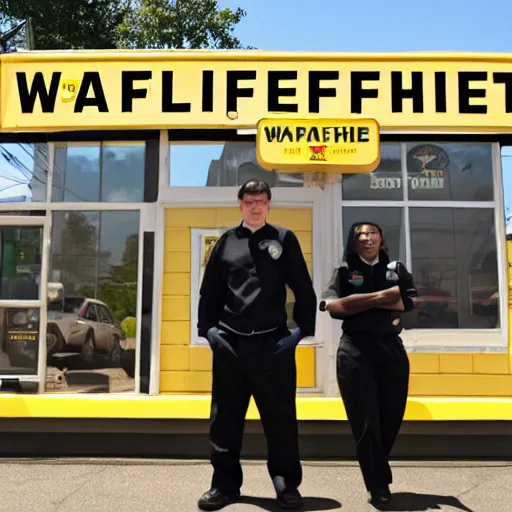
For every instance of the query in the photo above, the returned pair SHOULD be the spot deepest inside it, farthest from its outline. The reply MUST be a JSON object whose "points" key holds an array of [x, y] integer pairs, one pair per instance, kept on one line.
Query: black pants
{"points": [[245, 366], [373, 377]]}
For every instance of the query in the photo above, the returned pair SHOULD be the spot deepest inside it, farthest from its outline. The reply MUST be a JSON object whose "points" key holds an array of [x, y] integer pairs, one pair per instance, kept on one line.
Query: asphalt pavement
{"points": [[167, 486]]}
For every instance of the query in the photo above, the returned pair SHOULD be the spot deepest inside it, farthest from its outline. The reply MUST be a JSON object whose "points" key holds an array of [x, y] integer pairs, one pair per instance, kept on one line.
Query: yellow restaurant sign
{"points": [[50, 91], [323, 145]]}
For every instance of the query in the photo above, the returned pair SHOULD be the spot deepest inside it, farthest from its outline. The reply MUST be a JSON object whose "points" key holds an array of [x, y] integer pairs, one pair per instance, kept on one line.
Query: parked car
{"points": [[80, 324]]}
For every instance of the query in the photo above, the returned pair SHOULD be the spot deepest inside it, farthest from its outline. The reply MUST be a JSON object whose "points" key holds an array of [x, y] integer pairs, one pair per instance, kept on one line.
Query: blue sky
{"points": [[361, 26]]}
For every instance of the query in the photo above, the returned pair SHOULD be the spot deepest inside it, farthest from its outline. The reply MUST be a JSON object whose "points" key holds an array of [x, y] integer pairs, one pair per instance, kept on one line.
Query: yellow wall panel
{"points": [[190, 217], [175, 329], [177, 240], [199, 382], [461, 385], [176, 261], [227, 217], [175, 308], [175, 332], [174, 358], [306, 367], [305, 240], [173, 381], [201, 359], [455, 363], [491, 364], [424, 363], [176, 283], [291, 218]]}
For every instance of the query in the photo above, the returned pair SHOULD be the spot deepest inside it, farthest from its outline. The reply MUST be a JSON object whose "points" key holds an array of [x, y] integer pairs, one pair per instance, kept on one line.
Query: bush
{"points": [[129, 326]]}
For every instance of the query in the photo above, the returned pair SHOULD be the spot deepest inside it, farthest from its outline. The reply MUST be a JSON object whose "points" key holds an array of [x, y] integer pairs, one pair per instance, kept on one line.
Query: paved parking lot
{"points": [[168, 486]]}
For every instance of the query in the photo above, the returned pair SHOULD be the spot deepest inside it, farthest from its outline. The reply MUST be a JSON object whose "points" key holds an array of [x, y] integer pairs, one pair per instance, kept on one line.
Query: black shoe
{"points": [[290, 499], [379, 496], [215, 499]]}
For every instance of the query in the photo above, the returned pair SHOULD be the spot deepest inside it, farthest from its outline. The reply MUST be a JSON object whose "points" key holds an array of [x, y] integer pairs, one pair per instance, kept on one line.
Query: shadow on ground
{"points": [[310, 504], [413, 502]]}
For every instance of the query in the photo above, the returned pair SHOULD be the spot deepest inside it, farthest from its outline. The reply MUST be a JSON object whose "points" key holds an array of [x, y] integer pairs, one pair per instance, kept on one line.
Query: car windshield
{"points": [[67, 305]]}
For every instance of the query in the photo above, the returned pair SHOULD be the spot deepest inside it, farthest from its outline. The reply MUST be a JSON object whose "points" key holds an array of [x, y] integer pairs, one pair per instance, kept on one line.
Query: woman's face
{"points": [[369, 241]]}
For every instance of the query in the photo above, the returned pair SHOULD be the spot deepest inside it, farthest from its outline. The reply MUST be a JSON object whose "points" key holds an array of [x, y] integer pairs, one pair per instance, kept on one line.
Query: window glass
{"points": [[93, 301], [454, 263], [450, 171], [20, 262], [19, 341], [23, 172], [225, 164], [389, 219], [385, 183], [104, 172]]}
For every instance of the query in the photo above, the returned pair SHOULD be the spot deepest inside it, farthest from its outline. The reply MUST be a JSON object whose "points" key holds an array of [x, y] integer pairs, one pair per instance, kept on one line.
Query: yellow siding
{"points": [[185, 368]]}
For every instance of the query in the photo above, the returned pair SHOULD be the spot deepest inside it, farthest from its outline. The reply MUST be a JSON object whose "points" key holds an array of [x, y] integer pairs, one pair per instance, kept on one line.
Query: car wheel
{"points": [[87, 352], [116, 353], [52, 344]]}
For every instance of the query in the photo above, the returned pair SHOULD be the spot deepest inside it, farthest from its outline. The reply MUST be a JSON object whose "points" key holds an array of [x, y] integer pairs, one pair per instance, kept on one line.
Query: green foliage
{"points": [[129, 326], [108, 24]]}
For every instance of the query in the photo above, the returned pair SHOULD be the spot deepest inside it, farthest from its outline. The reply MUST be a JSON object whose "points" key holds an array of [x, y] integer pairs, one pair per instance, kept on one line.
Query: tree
{"points": [[68, 24], [109, 24]]}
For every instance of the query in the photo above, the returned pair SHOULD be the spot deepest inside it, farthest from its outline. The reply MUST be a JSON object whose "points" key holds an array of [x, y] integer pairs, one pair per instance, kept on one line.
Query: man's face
{"points": [[254, 209]]}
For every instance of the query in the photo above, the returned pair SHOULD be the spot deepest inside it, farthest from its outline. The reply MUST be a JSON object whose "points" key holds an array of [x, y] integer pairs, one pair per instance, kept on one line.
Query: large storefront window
{"points": [[92, 308], [451, 247], [23, 172], [99, 172], [224, 164]]}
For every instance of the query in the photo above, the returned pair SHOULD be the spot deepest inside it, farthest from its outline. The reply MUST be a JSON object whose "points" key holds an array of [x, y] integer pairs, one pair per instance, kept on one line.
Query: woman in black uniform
{"points": [[370, 293]]}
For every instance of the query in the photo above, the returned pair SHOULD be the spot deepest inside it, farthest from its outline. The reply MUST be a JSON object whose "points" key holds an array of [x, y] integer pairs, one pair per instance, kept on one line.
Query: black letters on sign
{"points": [[38, 88], [207, 91], [168, 104], [465, 93], [274, 91], [398, 93], [440, 86], [505, 78], [316, 92], [357, 93], [91, 78], [233, 92], [128, 93]]}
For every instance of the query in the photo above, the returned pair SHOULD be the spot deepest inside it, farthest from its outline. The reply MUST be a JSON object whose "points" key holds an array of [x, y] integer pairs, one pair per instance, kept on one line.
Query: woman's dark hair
{"points": [[255, 188], [352, 240]]}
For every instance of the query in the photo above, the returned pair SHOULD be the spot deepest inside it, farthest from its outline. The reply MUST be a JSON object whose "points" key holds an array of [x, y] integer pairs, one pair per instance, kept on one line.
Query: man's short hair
{"points": [[255, 188]]}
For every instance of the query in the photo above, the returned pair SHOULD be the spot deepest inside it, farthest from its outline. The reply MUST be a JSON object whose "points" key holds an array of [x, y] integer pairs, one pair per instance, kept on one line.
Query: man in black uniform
{"points": [[370, 294], [242, 314]]}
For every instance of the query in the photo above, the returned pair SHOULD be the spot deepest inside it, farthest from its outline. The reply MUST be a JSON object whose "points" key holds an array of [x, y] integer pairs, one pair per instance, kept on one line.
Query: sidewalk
{"points": [[168, 486]]}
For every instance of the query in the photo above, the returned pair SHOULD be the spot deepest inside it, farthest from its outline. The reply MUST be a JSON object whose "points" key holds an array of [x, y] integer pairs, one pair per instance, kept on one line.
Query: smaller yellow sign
{"points": [[336, 146]]}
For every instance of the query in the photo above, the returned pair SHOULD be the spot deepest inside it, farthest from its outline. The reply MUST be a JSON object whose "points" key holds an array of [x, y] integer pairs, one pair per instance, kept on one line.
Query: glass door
{"points": [[23, 298]]}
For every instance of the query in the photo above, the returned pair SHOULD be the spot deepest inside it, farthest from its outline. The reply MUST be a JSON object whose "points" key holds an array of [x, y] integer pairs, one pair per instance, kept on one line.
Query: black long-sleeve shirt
{"points": [[357, 276], [244, 283]]}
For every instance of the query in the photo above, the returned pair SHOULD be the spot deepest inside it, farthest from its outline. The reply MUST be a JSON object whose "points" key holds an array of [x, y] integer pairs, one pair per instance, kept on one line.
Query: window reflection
{"points": [[450, 171], [385, 183], [23, 172], [226, 164], [93, 302], [104, 172], [454, 263], [19, 341], [20, 259]]}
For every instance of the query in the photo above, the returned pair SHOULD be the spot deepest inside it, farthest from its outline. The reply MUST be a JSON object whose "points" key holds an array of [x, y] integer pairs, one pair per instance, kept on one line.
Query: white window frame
{"points": [[455, 340], [41, 303]]}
